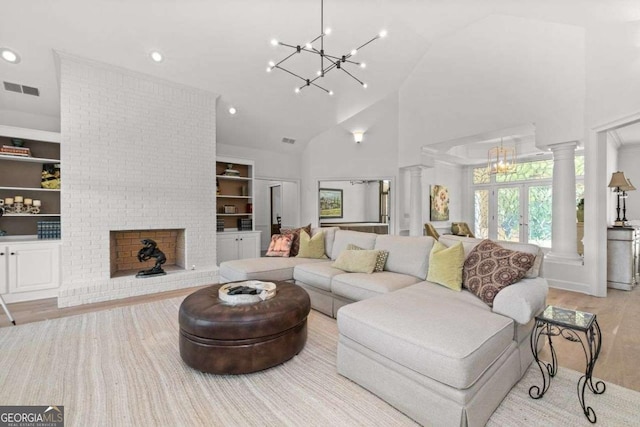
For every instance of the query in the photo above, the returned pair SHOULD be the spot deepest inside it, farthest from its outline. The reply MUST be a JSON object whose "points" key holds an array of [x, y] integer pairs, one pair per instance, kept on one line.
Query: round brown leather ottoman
{"points": [[220, 338]]}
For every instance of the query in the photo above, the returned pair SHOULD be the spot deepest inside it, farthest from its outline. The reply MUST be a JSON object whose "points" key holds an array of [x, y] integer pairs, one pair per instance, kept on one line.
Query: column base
{"points": [[565, 258]]}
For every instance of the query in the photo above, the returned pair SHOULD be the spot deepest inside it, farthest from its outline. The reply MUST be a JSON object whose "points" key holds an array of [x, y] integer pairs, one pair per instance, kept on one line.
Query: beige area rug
{"points": [[121, 367]]}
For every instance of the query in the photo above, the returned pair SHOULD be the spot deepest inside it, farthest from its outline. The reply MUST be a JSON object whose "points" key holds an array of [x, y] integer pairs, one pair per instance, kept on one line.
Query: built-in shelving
{"points": [[22, 176], [234, 193]]}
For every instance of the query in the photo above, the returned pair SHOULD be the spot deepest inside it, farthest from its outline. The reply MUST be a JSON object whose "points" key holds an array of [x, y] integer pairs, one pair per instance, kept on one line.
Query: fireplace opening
{"points": [[125, 244]]}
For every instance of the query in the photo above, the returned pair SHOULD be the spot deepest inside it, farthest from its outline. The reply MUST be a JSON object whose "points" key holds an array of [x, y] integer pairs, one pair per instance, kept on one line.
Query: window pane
{"points": [[480, 176], [540, 169], [481, 214], [509, 214], [579, 165], [540, 213]]}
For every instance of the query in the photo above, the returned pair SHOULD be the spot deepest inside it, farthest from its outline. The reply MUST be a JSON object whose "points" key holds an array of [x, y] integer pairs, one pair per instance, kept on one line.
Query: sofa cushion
{"points": [[280, 245], [261, 268], [311, 247], [407, 255], [445, 265], [451, 337], [358, 238], [357, 261], [295, 233], [381, 260], [318, 274], [359, 286], [329, 237], [490, 267], [469, 243]]}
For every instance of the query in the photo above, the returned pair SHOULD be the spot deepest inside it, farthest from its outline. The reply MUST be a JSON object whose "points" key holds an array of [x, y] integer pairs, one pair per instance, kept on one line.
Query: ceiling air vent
{"points": [[288, 140], [27, 90]]}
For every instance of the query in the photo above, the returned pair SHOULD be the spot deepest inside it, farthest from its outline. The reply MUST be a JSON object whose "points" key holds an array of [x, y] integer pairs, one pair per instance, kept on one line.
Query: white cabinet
{"points": [[29, 270], [240, 245], [623, 253]]}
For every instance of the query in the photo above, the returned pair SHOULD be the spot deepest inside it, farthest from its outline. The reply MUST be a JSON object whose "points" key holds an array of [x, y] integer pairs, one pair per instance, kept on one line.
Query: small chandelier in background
{"points": [[327, 62], [501, 159]]}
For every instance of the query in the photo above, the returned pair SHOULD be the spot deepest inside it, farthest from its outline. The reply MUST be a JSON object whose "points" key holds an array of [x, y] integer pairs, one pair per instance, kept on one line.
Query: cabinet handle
{"points": [[13, 253], [1, 253]]}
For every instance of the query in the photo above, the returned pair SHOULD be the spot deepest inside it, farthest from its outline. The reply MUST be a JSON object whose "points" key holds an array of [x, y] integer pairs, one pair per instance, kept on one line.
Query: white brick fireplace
{"points": [[138, 153]]}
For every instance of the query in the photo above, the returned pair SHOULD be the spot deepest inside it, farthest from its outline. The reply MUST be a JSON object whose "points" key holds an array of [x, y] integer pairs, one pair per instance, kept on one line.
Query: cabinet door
{"points": [[34, 267], [226, 247], [249, 246], [4, 284]]}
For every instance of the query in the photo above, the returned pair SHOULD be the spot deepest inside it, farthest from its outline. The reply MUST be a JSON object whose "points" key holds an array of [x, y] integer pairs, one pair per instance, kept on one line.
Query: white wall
{"points": [[268, 164], [628, 163], [497, 73], [333, 155], [29, 120], [138, 153]]}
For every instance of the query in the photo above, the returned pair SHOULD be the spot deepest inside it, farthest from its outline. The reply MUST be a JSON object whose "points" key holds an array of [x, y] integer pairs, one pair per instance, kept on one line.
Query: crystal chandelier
{"points": [[501, 159], [327, 62]]}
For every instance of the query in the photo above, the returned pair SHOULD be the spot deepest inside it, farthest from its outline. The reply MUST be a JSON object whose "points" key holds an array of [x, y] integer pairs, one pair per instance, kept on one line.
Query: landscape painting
{"points": [[330, 203]]}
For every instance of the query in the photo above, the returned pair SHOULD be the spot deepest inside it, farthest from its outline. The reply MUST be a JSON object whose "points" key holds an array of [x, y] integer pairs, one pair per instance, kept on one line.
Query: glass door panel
{"points": [[539, 213], [508, 214], [481, 214]]}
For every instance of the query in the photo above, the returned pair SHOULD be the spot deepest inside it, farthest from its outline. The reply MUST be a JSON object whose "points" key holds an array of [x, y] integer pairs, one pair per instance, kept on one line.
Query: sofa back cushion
{"points": [[469, 243], [407, 255], [329, 236], [344, 237]]}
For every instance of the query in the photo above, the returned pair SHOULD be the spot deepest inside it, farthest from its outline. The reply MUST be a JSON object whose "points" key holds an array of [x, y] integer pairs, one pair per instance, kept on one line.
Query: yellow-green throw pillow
{"points": [[445, 265], [355, 261], [311, 247], [380, 262]]}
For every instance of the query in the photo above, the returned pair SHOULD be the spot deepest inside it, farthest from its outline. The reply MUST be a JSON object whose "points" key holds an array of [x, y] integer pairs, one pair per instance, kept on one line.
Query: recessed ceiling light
{"points": [[9, 55], [232, 110], [156, 56]]}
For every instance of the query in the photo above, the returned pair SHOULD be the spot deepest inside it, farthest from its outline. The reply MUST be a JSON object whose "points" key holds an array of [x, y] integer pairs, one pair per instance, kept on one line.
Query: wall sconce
{"points": [[357, 136]]}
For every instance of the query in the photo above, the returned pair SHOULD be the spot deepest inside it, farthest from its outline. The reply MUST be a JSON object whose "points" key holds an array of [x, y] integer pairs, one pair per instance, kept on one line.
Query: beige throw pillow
{"points": [[311, 247], [356, 261], [380, 262], [445, 265]]}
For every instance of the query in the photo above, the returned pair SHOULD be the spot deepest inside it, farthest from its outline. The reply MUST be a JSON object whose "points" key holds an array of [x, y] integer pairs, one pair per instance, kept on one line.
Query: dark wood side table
{"points": [[570, 325]]}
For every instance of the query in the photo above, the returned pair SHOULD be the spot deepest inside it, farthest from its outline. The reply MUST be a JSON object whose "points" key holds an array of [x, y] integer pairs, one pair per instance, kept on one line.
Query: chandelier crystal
{"points": [[328, 62]]}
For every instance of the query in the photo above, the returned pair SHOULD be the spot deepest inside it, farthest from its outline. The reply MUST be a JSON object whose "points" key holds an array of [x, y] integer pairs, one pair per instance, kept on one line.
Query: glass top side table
{"points": [[570, 325]]}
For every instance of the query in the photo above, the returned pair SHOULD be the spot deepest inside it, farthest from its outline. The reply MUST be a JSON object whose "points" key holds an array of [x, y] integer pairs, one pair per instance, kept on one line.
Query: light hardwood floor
{"points": [[618, 317]]}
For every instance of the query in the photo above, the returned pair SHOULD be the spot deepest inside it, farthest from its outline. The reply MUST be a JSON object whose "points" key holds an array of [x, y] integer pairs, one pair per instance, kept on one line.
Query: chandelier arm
{"points": [[289, 56], [340, 59], [373, 39], [352, 76], [292, 73]]}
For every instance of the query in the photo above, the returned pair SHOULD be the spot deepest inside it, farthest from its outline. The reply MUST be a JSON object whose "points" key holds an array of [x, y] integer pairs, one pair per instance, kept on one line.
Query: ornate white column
{"points": [[415, 201], [564, 246]]}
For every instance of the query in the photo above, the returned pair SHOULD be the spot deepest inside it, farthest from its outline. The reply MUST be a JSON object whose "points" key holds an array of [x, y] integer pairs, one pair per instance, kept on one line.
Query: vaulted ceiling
{"points": [[223, 46]]}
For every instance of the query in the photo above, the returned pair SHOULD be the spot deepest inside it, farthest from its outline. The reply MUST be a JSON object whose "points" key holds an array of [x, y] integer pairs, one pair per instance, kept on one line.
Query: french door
{"points": [[515, 213]]}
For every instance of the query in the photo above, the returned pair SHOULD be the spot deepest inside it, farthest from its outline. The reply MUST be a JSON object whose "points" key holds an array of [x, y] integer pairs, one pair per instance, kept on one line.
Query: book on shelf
{"points": [[49, 230], [15, 151]]}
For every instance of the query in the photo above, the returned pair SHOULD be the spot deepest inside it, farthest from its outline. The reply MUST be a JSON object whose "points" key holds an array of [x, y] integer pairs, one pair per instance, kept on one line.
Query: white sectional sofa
{"points": [[440, 356]]}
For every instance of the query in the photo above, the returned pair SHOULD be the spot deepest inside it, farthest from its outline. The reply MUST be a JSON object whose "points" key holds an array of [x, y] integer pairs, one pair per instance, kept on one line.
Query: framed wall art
{"points": [[330, 203], [439, 203]]}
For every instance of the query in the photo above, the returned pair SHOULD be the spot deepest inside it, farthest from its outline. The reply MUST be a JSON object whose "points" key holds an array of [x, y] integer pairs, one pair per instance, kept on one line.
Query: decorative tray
{"points": [[248, 292]]}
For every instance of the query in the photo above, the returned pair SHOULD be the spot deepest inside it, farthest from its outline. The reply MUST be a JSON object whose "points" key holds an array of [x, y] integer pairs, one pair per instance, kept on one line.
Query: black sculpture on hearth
{"points": [[148, 251]]}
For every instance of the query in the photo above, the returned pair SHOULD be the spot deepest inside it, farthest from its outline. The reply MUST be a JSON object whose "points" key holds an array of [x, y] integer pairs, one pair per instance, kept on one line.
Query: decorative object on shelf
{"points": [[229, 209], [20, 205], [249, 207], [230, 171], [15, 150], [244, 190], [49, 230], [439, 203], [51, 176], [332, 62], [501, 159], [248, 292], [330, 203], [245, 224], [150, 250], [17, 142], [217, 186], [620, 185]]}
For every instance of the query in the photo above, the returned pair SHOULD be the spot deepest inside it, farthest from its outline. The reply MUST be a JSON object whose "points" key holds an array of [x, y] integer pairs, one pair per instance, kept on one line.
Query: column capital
{"points": [[563, 145]]}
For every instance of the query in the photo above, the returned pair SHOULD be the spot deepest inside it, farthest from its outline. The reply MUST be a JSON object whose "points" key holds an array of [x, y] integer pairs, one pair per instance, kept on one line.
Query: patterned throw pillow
{"points": [[489, 268], [381, 260], [280, 245], [295, 233]]}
